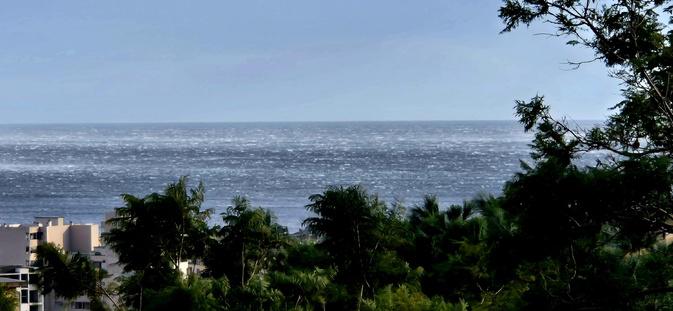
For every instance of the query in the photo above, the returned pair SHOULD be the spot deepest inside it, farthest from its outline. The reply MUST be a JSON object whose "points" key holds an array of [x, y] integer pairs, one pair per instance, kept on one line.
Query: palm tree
{"points": [[68, 276], [191, 221], [194, 293], [152, 235], [248, 242], [350, 224], [304, 290], [429, 209]]}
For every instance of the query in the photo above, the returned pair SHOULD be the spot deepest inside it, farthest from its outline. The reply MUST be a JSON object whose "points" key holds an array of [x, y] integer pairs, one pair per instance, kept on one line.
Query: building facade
{"points": [[18, 245], [22, 281], [19, 242]]}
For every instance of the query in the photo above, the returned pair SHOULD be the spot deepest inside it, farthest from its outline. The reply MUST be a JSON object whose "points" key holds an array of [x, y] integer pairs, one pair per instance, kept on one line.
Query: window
{"points": [[24, 276], [36, 236], [81, 305], [35, 308], [24, 296], [33, 279], [34, 296]]}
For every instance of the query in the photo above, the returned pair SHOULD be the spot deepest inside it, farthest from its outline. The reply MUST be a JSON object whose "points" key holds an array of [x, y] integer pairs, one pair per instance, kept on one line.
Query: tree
{"points": [[257, 294], [305, 290], [8, 299], [194, 293], [455, 245], [152, 235], [406, 299], [428, 211], [247, 245], [360, 234], [590, 224], [68, 276], [633, 40]]}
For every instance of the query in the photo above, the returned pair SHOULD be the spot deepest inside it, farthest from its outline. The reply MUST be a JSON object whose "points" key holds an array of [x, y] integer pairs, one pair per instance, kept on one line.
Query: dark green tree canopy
{"points": [[587, 223], [349, 223], [70, 275], [159, 230], [634, 40], [9, 301], [248, 244], [152, 235]]}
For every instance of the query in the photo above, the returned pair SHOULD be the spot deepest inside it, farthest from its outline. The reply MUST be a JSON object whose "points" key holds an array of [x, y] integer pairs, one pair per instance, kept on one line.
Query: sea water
{"points": [[79, 171]]}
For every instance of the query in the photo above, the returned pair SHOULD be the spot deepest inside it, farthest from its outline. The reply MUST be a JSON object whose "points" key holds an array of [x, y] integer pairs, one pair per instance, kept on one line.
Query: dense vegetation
{"points": [[8, 299], [559, 237]]}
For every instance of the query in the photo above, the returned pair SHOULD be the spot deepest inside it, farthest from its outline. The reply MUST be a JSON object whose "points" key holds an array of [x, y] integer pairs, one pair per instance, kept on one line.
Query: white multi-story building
{"points": [[21, 280], [18, 243]]}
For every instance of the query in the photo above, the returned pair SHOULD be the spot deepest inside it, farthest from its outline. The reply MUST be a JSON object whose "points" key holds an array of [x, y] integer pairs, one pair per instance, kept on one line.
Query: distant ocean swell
{"points": [[78, 171]]}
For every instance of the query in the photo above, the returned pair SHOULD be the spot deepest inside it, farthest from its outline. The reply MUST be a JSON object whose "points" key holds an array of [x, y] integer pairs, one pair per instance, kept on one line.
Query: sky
{"points": [[294, 60]]}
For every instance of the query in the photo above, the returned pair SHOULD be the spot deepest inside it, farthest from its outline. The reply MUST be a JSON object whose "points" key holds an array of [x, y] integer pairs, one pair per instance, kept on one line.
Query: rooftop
{"points": [[10, 281], [45, 221]]}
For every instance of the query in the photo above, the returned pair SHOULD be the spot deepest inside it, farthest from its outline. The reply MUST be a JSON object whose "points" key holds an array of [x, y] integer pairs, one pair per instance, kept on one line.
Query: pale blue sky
{"points": [[294, 60]]}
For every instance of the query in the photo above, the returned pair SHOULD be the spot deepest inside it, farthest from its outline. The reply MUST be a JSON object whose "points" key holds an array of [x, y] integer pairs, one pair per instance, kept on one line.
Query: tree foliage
{"points": [[633, 39], [9, 300], [153, 234], [358, 232], [594, 226], [249, 242], [68, 275]]}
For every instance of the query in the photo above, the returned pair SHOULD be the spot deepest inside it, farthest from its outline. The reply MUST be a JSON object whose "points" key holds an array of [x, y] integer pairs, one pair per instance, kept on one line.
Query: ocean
{"points": [[79, 171]]}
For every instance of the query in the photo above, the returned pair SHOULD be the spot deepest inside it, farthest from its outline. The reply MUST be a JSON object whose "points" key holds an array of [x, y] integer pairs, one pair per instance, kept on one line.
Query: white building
{"points": [[21, 280], [18, 243]]}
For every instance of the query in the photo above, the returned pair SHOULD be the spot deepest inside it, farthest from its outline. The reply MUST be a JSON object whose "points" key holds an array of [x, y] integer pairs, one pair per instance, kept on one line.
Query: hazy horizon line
{"points": [[270, 122]]}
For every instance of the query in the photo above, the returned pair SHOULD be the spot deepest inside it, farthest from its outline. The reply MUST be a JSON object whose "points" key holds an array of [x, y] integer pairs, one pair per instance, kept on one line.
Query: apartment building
{"points": [[21, 281], [18, 242]]}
